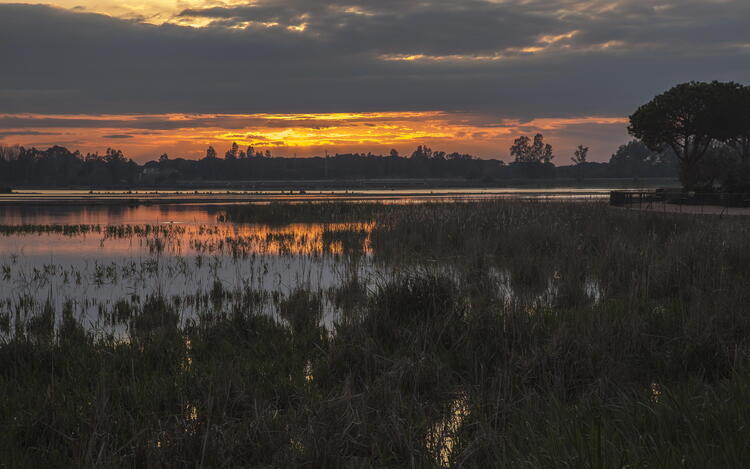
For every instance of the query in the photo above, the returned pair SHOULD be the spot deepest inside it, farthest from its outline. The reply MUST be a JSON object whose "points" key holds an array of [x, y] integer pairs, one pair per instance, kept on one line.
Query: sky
{"points": [[306, 77]]}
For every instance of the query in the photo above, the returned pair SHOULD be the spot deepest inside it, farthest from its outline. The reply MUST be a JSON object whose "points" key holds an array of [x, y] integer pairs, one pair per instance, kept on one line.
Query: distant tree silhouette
{"points": [[9, 153], [521, 149], [422, 152], [579, 160], [233, 153], [112, 156], [542, 151], [524, 150], [58, 166], [210, 153], [580, 155], [455, 156], [635, 159]]}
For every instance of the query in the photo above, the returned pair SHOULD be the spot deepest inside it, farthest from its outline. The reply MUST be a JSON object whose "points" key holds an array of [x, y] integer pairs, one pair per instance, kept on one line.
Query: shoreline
{"points": [[660, 207], [72, 198]]}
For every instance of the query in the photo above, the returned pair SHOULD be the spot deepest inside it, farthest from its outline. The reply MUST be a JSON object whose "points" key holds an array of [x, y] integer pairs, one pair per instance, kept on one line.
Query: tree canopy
{"points": [[524, 150], [580, 155], [687, 119]]}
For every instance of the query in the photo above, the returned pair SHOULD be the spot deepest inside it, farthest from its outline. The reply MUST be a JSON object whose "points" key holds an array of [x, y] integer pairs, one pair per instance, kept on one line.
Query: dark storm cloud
{"points": [[17, 133], [117, 136], [590, 58], [159, 123], [419, 27]]}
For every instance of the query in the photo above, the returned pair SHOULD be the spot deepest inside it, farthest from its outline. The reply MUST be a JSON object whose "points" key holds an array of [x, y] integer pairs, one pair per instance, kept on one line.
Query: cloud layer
{"points": [[518, 59], [514, 60]]}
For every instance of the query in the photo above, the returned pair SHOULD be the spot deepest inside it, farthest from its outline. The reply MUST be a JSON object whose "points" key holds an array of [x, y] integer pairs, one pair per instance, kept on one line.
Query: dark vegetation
{"points": [[511, 334], [59, 167], [707, 127]]}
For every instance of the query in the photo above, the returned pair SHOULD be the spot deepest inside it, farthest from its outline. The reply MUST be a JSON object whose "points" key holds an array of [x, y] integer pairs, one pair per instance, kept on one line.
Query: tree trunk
{"points": [[689, 175]]}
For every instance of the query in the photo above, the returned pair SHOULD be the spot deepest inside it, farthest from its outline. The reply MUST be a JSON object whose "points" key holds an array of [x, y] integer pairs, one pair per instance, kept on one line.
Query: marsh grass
{"points": [[507, 335], [67, 230]]}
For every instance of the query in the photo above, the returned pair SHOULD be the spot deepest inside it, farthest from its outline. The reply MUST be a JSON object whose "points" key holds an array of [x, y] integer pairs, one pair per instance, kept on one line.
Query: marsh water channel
{"points": [[103, 262]]}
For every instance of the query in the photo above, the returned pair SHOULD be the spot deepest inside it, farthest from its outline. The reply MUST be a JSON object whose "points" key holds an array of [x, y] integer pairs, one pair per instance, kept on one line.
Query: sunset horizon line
{"points": [[148, 135]]}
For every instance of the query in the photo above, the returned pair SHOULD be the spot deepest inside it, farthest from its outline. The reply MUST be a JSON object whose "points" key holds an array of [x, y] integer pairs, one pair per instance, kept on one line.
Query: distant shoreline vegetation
{"points": [[59, 167]]}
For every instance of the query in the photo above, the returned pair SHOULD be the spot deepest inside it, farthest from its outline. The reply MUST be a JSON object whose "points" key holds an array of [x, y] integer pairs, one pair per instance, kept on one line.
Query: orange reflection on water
{"points": [[106, 214], [301, 239], [294, 239]]}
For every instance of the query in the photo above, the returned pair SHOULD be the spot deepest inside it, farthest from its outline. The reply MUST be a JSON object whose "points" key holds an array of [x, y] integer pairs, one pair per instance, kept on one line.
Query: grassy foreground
{"points": [[510, 335]]}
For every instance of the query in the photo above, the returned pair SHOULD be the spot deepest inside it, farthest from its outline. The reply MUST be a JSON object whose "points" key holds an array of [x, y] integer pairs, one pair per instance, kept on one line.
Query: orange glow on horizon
{"points": [[145, 137]]}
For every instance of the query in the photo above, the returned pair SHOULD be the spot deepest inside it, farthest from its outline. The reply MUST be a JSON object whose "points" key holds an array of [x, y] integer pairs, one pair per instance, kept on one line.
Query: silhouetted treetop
{"points": [[580, 155], [524, 150], [688, 118]]}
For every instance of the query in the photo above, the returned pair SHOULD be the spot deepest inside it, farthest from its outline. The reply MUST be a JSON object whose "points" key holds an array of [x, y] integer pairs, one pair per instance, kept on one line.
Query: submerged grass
{"points": [[509, 335]]}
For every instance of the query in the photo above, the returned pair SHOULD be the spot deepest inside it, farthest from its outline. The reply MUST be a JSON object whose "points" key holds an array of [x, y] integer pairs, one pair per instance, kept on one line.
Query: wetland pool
{"points": [[101, 262]]}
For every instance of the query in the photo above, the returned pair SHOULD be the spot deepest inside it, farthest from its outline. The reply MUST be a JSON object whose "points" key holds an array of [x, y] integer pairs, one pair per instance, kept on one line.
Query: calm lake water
{"points": [[74, 207]]}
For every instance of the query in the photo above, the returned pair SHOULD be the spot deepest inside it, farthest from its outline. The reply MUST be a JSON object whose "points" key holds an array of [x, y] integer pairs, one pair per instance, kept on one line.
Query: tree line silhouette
{"points": [[60, 167]]}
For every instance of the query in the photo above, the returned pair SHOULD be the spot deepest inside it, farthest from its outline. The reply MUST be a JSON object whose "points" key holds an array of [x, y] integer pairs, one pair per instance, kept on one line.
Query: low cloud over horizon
{"points": [[464, 76]]}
